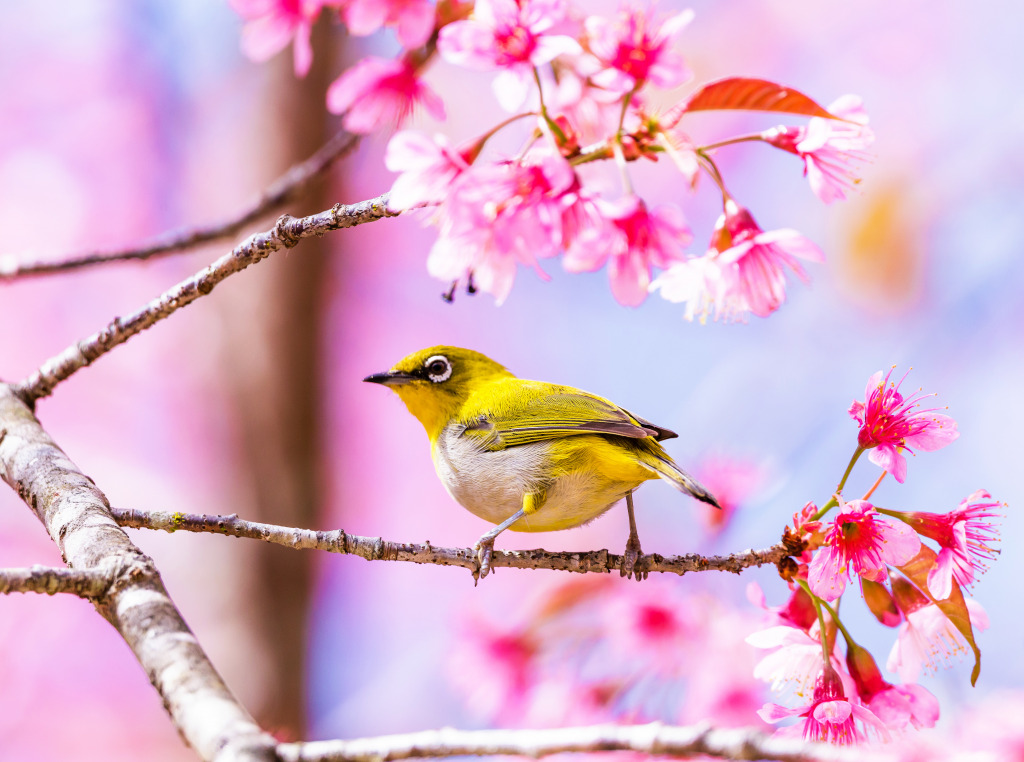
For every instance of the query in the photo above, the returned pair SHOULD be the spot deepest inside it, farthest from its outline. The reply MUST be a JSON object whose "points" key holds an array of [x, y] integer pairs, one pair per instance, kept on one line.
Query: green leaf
{"points": [[747, 94], [954, 607]]}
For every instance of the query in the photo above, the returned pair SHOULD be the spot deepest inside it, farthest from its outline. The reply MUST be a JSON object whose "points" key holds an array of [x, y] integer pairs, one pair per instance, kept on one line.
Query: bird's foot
{"points": [[630, 556], [484, 548]]}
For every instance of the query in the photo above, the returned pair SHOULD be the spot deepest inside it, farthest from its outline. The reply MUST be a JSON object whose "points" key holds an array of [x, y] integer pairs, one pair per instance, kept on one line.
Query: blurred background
{"points": [[125, 119]]}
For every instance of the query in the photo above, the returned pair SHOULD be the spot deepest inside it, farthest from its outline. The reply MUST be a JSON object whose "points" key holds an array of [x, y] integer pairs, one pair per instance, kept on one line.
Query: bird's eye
{"points": [[438, 368]]}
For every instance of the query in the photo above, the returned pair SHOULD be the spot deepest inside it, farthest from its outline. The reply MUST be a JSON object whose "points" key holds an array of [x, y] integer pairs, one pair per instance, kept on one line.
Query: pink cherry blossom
{"points": [[413, 19], [632, 240], [897, 706], [966, 538], [732, 482], [637, 49], [377, 92], [796, 659], [514, 36], [652, 622], [927, 637], [743, 271], [830, 716], [428, 167], [272, 24], [890, 423], [830, 148], [863, 541], [498, 216]]}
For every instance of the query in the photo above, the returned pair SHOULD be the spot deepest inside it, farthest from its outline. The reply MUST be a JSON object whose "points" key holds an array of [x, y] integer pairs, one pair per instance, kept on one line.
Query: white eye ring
{"points": [[441, 375]]}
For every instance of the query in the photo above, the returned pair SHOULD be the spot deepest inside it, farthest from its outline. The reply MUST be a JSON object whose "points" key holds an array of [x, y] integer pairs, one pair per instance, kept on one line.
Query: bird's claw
{"points": [[484, 548], [630, 556]]}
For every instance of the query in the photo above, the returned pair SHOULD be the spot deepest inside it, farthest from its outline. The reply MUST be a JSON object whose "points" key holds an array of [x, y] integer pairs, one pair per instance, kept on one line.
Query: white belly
{"points": [[491, 485]]}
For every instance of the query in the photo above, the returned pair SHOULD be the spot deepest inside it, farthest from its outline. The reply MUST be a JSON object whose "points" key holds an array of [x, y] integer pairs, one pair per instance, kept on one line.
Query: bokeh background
{"points": [[126, 119]]}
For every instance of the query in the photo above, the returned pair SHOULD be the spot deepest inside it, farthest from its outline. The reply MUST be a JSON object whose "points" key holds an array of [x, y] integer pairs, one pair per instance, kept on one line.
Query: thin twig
{"points": [[277, 193], [136, 603], [85, 583], [377, 549], [284, 235], [655, 738]]}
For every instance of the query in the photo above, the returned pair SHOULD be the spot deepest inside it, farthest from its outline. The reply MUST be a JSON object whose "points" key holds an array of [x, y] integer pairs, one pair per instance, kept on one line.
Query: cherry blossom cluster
{"points": [[906, 583], [583, 84], [594, 650]]}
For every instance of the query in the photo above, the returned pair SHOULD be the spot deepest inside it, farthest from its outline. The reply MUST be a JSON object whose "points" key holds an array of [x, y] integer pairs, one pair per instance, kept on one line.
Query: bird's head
{"points": [[435, 382]]}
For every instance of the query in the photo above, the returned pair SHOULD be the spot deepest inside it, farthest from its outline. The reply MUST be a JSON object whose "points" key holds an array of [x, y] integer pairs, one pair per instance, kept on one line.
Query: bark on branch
{"points": [[284, 235], [740, 744], [277, 193], [377, 549], [84, 583], [75, 513]]}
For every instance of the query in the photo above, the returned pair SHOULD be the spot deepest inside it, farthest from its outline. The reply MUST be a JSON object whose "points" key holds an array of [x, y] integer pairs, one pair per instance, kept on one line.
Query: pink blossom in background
{"points": [[890, 424], [428, 167], [494, 667], [743, 271], [863, 541], [636, 48], [498, 216], [514, 36], [272, 24], [830, 148], [632, 240], [830, 716], [966, 538], [379, 92], [732, 482], [649, 623], [413, 19], [927, 637]]}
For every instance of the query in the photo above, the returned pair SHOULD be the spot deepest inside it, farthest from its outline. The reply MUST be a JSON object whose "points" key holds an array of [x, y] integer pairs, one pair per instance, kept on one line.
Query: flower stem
{"points": [[834, 500], [731, 141], [874, 486], [712, 169], [835, 618], [822, 635], [543, 109]]}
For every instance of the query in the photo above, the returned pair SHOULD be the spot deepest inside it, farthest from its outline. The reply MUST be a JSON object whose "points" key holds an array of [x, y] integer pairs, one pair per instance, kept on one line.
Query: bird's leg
{"points": [[485, 545], [633, 550]]}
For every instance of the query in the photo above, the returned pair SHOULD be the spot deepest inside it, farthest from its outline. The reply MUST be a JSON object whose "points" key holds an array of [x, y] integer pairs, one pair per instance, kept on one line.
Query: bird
{"points": [[530, 456]]}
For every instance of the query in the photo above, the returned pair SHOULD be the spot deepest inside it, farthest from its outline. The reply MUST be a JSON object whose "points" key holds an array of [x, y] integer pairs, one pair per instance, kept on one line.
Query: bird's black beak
{"points": [[390, 378]]}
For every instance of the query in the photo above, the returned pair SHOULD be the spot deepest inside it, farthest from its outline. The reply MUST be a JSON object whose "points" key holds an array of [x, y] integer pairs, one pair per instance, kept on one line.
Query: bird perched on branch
{"points": [[527, 455]]}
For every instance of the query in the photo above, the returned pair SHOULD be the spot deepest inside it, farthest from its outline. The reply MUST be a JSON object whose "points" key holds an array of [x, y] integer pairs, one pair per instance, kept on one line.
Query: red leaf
{"points": [[746, 94], [954, 607]]}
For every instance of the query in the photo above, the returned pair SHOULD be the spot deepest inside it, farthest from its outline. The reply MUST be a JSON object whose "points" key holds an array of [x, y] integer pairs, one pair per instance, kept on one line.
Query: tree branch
{"points": [[74, 512], [655, 738], [276, 194], [285, 234], [43, 579], [377, 549]]}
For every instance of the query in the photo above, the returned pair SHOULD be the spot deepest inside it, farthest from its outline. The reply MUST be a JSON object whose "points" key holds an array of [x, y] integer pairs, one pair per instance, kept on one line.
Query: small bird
{"points": [[528, 455]]}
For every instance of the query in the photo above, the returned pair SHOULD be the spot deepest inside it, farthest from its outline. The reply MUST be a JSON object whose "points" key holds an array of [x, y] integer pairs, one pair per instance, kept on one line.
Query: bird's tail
{"points": [[678, 478]]}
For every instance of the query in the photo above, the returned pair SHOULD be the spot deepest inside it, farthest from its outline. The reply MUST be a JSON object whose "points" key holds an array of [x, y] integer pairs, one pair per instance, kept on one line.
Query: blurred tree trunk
{"points": [[272, 340]]}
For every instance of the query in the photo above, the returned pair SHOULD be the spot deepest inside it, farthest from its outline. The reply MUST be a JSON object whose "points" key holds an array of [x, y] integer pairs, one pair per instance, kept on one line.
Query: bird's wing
{"points": [[520, 412]]}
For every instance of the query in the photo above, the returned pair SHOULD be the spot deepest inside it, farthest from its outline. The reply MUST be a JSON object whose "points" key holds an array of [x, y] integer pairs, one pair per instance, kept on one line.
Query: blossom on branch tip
{"points": [[636, 49], [272, 24], [862, 540], [890, 424], [514, 36], [829, 147], [499, 215], [743, 271], [428, 168], [412, 19], [632, 239], [377, 92], [830, 716], [966, 538]]}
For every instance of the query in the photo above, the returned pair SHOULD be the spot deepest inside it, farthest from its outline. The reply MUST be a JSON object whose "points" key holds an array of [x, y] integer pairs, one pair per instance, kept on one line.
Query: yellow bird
{"points": [[527, 455]]}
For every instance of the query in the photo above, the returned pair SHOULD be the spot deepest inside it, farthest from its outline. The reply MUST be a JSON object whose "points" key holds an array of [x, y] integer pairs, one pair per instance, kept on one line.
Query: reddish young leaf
{"points": [[954, 607], [746, 94]]}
